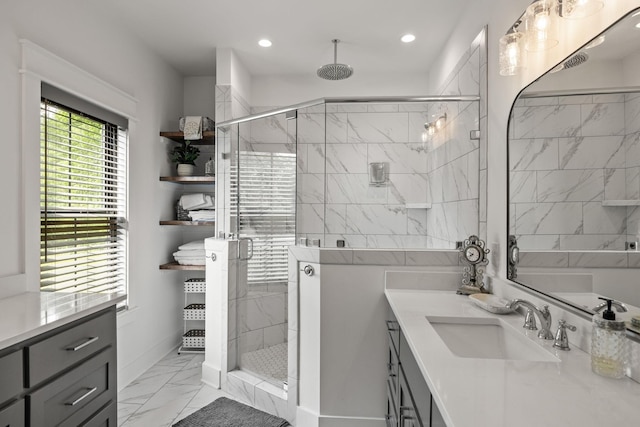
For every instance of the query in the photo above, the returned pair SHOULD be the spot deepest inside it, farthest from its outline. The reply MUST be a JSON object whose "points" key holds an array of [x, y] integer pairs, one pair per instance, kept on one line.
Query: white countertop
{"points": [[491, 392], [29, 314]]}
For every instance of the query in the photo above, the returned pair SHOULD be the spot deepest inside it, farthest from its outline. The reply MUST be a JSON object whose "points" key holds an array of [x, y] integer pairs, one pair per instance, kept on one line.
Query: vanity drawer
{"points": [[11, 369], [13, 415], [73, 398], [58, 352], [106, 417]]}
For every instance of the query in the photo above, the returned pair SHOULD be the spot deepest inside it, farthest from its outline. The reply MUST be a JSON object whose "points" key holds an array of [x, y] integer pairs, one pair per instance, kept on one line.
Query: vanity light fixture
{"points": [[512, 54], [578, 9], [265, 43], [541, 25]]}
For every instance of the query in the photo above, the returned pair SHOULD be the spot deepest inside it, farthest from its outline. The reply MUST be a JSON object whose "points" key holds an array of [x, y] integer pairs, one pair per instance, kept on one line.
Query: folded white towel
{"points": [[194, 261], [190, 253], [193, 127], [203, 215], [196, 244], [192, 201]]}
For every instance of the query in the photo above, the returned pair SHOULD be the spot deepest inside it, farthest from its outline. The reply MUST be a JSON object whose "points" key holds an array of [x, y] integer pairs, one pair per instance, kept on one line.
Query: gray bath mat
{"points": [[225, 412]]}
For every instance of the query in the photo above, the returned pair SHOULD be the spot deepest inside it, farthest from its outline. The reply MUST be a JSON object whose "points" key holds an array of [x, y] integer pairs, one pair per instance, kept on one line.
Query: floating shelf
{"points": [[189, 179], [633, 202], [189, 223], [175, 266], [208, 137]]}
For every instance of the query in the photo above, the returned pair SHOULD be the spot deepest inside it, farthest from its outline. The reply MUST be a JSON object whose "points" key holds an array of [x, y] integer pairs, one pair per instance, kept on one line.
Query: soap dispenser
{"points": [[608, 344]]}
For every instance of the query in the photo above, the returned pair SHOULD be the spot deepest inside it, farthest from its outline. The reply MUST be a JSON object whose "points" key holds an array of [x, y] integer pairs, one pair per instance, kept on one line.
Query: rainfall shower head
{"points": [[335, 71]]}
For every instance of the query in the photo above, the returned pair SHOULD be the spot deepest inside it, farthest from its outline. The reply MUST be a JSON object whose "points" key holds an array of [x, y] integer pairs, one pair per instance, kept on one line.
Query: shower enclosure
{"points": [[356, 173]]}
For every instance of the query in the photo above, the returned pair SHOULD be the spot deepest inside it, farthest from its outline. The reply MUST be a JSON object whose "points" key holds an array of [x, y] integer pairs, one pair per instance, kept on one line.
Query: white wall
{"points": [[199, 96], [84, 38]]}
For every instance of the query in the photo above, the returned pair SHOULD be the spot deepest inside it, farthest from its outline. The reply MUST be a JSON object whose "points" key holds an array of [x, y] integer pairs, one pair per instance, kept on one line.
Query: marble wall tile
{"points": [[615, 187], [310, 188], [602, 119], [302, 153], [241, 386], [539, 242], [601, 98], [528, 121], [417, 222], [590, 259], [265, 311], [469, 76], [382, 108], [632, 147], [633, 221], [431, 258], [407, 188], [376, 219], [336, 128], [541, 101], [591, 152], [351, 240], [632, 112], [354, 188], [467, 221], [632, 183], [421, 107], [276, 334], [533, 154], [271, 399], [570, 185], [378, 128], [544, 259], [592, 241], [482, 214], [347, 158], [292, 305], [402, 158], [549, 218], [416, 127], [336, 256], [335, 218], [364, 257], [250, 340], [311, 128], [310, 218], [522, 187], [575, 99], [599, 219], [386, 241], [347, 108]]}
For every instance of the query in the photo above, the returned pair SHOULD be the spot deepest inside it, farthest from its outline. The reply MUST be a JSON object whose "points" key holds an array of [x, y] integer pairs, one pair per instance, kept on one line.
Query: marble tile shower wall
{"points": [[567, 155], [436, 171]]}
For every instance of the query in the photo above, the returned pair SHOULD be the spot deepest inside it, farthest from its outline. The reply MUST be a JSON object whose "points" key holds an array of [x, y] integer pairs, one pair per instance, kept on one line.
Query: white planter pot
{"points": [[185, 169]]}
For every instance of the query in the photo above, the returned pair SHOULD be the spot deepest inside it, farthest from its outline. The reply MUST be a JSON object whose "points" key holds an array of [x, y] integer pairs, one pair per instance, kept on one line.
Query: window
{"points": [[82, 201]]}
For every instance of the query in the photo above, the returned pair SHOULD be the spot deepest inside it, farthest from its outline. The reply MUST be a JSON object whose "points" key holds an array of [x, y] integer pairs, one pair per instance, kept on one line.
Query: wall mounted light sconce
{"points": [[378, 174], [431, 128], [537, 30]]}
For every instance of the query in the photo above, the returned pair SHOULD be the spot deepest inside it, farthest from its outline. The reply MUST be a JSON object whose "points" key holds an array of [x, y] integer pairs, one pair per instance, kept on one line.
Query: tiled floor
{"points": [[169, 391], [269, 363]]}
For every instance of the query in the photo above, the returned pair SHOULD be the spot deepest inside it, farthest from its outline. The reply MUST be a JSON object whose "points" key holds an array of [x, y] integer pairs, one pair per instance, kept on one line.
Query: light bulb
{"points": [[540, 25], [512, 57]]}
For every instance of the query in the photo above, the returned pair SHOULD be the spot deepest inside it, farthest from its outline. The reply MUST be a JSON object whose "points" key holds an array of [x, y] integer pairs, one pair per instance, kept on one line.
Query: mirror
{"points": [[574, 174]]}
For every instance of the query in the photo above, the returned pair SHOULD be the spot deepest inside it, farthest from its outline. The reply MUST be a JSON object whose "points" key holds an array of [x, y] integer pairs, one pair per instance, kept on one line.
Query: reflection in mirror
{"points": [[574, 174]]}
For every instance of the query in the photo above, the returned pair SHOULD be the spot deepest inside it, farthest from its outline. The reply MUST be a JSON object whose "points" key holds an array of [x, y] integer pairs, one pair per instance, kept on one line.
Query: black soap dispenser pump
{"points": [[609, 347]]}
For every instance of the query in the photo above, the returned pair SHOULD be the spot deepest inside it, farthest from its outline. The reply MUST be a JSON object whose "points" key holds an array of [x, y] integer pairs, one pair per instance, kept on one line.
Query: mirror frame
{"points": [[512, 252]]}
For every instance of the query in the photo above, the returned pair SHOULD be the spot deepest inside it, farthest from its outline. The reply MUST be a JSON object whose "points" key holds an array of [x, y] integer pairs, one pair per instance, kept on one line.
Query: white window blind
{"points": [[265, 205], [82, 202]]}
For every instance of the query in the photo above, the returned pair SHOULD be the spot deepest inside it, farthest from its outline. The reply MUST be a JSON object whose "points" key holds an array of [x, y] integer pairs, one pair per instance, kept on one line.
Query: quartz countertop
{"points": [[492, 392], [29, 314]]}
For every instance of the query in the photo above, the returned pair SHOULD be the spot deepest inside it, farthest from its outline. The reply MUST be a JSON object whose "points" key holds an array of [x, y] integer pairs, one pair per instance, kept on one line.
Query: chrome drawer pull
{"points": [[84, 344], [81, 398]]}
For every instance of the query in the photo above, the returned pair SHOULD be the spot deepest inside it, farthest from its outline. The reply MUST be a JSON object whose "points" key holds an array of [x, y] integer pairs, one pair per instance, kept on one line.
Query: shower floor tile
{"points": [[270, 362]]}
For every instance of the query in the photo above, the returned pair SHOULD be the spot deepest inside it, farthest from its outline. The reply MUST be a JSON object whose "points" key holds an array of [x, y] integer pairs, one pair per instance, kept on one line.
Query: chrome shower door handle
{"points": [[249, 250]]}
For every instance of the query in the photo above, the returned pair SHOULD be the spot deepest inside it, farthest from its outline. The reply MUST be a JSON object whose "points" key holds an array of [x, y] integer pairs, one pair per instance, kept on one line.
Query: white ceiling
{"points": [[186, 33]]}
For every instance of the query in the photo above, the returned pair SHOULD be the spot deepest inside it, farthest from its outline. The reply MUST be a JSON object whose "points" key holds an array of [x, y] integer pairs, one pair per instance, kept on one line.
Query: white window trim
{"points": [[39, 65]]}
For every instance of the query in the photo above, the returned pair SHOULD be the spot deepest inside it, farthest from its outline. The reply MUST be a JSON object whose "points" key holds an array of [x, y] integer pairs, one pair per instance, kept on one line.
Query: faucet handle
{"points": [[561, 341], [530, 320]]}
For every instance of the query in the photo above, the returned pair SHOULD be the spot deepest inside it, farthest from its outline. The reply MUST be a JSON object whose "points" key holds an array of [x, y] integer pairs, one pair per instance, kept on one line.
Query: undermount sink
{"points": [[487, 338]]}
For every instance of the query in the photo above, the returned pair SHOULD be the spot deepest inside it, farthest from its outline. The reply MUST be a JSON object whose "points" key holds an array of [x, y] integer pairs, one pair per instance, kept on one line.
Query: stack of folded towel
{"points": [[191, 253], [200, 206]]}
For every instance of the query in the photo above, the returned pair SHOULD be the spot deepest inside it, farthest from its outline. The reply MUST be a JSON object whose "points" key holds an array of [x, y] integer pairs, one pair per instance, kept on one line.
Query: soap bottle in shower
{"points": [[609, 347]]}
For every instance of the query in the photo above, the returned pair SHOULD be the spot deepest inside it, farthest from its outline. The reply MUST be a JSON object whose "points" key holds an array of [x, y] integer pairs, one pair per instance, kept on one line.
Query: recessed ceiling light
{"points": [[408, 38], [264, 43]]}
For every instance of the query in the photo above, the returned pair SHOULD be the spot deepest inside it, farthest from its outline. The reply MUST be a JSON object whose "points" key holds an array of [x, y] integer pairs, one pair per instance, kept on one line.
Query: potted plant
{"points": [[185, 156]]}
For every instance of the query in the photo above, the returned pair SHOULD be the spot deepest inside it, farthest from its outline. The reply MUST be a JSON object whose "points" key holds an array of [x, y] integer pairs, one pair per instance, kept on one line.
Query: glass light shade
{"points": [[541, 25], [578, 9], [512, 54]]}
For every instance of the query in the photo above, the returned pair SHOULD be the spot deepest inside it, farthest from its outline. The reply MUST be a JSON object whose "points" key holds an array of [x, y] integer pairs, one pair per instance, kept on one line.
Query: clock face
{"points": [[473, 254]]}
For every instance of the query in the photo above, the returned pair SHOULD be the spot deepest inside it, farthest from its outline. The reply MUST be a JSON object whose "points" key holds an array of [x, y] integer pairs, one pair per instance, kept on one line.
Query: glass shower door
{"points": [[265, 203]]}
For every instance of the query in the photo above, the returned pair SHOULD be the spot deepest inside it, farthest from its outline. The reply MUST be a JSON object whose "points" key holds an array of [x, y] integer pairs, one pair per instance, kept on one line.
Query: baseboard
{"points": [[306, 418], [211, 375]]}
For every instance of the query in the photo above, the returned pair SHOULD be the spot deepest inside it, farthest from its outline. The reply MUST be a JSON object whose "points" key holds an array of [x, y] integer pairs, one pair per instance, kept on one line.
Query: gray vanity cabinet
{"points": [[65, 377], [409, 401]]}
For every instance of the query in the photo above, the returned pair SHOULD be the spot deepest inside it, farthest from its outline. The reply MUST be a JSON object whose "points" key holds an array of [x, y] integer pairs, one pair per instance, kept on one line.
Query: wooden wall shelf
{"points": [[189, 223], [189, 179], [208, 137], [175, 266]]}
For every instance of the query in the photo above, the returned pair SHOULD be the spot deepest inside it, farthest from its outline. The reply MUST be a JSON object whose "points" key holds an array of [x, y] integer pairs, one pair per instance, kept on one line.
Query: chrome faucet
{"points": [[620, 307], [530, 321]]}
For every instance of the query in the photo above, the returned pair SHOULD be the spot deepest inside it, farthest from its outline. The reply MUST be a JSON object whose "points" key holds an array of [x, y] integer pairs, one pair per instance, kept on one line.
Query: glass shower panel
{"points": [[265, 224]]}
